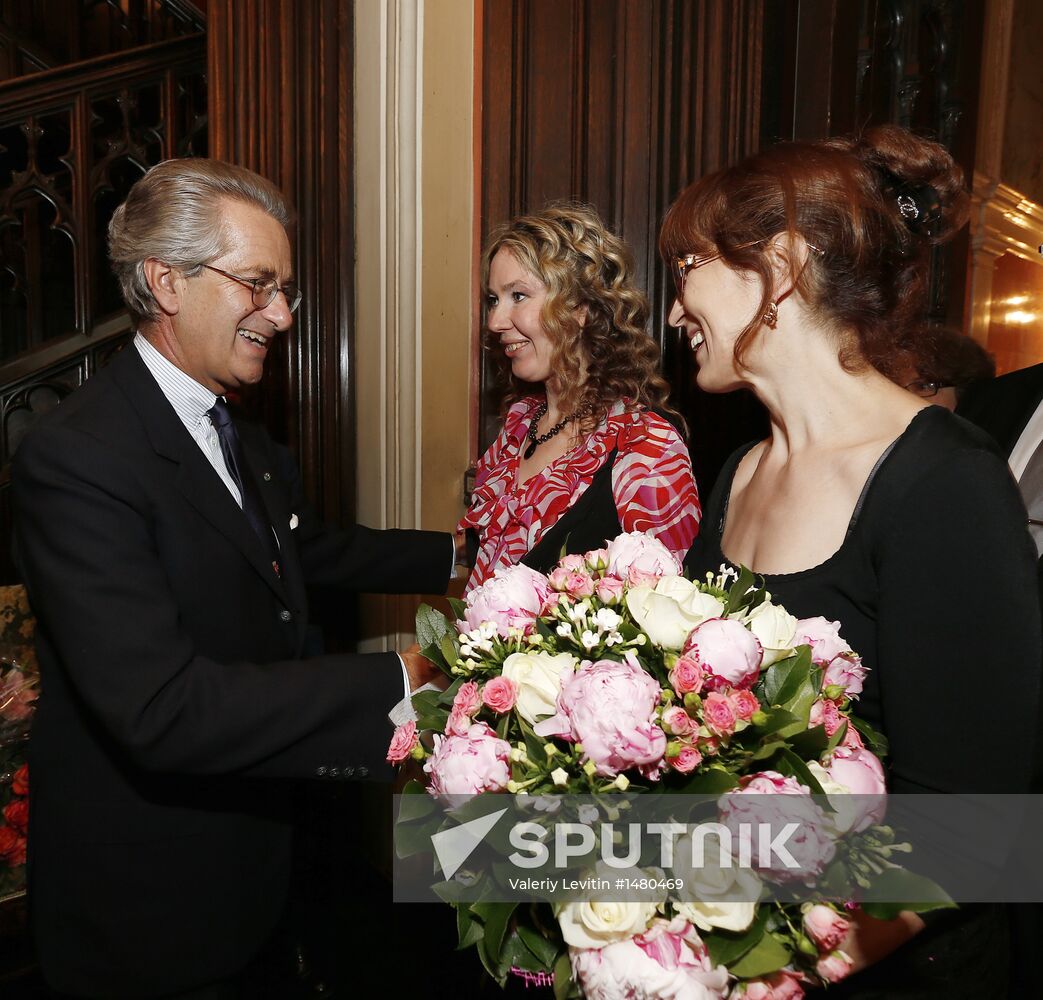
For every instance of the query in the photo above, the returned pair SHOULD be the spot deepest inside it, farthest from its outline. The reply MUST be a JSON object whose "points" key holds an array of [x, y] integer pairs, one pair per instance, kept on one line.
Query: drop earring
{"points": [[771, 317]]}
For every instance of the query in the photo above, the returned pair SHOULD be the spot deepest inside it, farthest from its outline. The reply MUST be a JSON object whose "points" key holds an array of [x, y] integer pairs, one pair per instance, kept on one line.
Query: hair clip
{"points": [[920, 207]]}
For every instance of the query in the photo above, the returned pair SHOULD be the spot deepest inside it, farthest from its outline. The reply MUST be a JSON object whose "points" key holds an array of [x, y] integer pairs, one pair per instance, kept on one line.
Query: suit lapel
{"points": [[196, 478]]}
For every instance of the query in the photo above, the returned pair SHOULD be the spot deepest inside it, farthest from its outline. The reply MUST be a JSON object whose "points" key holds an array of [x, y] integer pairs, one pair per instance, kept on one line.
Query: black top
{"points": [[935, 587]]}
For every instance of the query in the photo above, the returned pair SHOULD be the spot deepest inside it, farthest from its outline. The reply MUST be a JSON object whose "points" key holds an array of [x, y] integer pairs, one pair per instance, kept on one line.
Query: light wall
{"points": [[414, 210]]}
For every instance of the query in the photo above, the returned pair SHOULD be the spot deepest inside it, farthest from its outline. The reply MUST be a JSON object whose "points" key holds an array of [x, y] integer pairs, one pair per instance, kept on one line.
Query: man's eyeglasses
{"points": [[264, 289], [689, 262]]}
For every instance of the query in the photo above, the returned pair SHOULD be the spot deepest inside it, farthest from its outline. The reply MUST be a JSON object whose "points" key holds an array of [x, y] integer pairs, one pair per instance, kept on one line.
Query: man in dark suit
{"points": [[166, 549], [1010, 408]]}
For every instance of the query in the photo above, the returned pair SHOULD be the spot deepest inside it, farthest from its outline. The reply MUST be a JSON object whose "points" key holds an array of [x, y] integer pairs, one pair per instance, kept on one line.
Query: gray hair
{"points": [[172, 214]]}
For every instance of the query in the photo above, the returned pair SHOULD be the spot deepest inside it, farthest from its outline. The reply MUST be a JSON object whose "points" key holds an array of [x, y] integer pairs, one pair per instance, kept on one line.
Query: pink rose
{"points": [[782, 985], [402, 743], [861, 772], [677, 722], [727, 651], [579, 584], [513, 598], [668, 960], [458, 723], [469, 765], [744, 703], [687, 676], [637, 558], [609, 590], [609, 707], [573, 563], [846, 671], [500, 694], [826, 927], [771, 798], [832, 968], [718, 713], [687, 760], [825, 713], [596, 560], [558, 579], [823, 637], [467, 700]]}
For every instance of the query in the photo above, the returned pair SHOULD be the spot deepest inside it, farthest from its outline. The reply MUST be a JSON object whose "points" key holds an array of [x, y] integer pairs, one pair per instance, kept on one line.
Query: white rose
{"points": [[714, 894], [668, 612], [539, 677], [595, 924], [775, 628]]}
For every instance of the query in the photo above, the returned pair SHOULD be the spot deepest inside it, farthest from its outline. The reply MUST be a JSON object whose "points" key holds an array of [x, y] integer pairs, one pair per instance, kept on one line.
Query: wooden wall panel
{"points": [[621, 104], [282, 104]]}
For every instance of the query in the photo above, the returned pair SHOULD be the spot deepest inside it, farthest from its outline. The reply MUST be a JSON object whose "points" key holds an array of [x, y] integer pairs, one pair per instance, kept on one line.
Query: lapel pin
{"points": [[267, 477], [293, 521]]}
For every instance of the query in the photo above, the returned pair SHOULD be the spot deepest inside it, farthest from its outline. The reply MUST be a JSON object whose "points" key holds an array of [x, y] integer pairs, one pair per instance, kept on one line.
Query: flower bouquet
{"points": [[615, 676], [18, 692]]}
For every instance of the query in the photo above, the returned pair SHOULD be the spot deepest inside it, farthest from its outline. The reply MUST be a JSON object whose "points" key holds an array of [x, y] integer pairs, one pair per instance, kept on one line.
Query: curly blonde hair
{"points": [[583, 264]]}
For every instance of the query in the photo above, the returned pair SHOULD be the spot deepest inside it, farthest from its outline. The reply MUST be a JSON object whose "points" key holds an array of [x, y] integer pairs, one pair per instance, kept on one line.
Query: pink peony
{"points": [[470, 764], [513, 598], [771, 798], [686, 761], [744, 704], [846, 671], [668, 962], [834, 967], [500, 694], [609, 707], [782, 985], [823, 637], [467, 700], [862, 774], [402, 743], [637, 558], [718, 714], [677, 722], [687, 676], [609, 590], [727, 651], [826, 927]]}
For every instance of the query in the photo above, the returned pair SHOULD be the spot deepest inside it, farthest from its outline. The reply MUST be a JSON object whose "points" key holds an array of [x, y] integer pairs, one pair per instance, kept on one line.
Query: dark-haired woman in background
{"points": [[588, 448], [801, 273]]}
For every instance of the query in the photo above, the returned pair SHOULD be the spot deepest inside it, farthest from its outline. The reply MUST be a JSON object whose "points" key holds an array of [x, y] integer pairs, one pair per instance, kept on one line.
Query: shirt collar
{"points": [[190, 400]]}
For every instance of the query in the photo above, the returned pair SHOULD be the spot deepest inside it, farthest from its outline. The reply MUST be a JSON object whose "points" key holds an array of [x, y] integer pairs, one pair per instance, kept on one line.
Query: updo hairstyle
{"points": [[873, 204]]}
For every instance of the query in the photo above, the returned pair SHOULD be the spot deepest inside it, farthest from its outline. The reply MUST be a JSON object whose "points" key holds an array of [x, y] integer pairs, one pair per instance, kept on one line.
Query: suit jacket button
{"points": [[362, 771], [267, 477], [349, 771], [320, 772], [334, 772], [285, 615]]}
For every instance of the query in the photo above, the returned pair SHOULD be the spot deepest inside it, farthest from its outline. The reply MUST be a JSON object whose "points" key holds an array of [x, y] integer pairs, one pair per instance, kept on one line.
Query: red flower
{"points": [[17, 815], [12, 847], [20, 782]]}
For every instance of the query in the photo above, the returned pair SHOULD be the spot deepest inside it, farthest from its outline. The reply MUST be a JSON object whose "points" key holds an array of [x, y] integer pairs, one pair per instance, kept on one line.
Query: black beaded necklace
{"points": [[535, 441]]}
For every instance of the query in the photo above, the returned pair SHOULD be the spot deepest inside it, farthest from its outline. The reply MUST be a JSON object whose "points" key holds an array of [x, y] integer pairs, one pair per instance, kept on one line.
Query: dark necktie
{"points": [[235, 460], [1031, 485]]}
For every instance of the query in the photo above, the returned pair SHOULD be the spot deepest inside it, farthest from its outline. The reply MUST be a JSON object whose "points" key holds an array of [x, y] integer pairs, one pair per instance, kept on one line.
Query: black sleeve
{"points": [[959, 631]]}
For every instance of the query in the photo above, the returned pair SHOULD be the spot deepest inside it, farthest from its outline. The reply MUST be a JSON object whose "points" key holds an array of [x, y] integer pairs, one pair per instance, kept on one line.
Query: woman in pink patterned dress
{"points": [[589, 447]]}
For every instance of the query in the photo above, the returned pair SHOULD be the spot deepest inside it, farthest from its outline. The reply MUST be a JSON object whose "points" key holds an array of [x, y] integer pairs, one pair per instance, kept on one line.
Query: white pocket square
{"points": [[293, 521]]}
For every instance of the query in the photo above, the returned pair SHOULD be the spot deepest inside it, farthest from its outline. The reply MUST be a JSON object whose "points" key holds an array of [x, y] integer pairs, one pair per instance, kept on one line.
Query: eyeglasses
{"points": [[689, 262], [925, 390], [264, 289]]}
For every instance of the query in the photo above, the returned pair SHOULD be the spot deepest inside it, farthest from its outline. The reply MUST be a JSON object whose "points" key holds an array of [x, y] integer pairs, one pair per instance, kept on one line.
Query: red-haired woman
{"points": [[801, 275], [588, 447]]}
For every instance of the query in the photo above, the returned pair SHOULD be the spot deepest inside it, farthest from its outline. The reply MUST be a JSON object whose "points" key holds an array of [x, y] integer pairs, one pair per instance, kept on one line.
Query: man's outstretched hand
{"points": [[421, 670]]}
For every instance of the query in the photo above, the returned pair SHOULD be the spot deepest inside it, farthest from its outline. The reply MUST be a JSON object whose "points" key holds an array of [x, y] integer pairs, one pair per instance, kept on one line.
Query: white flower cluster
{"points": [[478, 640], [592, 629]]}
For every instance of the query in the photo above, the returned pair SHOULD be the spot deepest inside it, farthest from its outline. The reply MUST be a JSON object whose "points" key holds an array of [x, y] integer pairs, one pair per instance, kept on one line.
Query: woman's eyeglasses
{"points": [[689, 262]]}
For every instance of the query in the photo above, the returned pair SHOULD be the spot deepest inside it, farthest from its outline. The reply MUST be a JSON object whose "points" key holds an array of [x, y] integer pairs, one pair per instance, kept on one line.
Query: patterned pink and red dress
{"points": [[651, 485]]}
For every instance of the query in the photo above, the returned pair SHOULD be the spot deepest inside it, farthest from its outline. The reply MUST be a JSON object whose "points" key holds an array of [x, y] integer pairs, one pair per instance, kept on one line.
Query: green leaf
{"points": [[810, 744], [726, 949], [790, 763], [874, 741], [458, 606], [779, 719], [767, 955], [450, 650], [469, 930], [916, 892], [494, 917], [514, 953], [431, 625], [775, 678], [562, 977], [546, 951], [434, 654], [712, 781]]}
